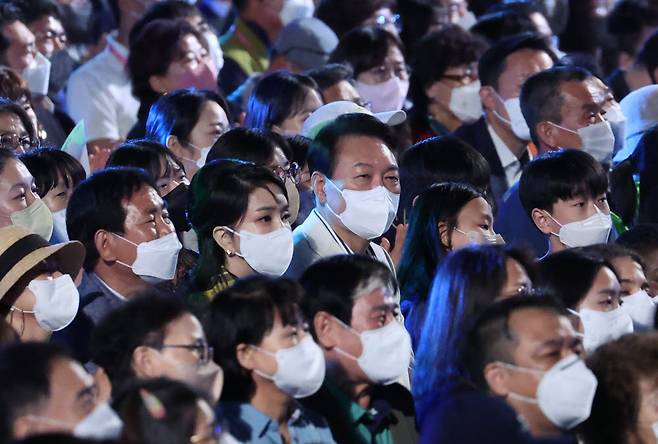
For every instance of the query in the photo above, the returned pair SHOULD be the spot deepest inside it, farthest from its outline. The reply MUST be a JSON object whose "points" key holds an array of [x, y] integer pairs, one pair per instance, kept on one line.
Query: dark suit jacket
{"points": [[477, 135]]}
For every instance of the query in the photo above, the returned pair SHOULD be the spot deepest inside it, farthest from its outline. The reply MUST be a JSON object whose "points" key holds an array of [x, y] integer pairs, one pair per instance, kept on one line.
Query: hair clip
{"points": [[152, 404]]}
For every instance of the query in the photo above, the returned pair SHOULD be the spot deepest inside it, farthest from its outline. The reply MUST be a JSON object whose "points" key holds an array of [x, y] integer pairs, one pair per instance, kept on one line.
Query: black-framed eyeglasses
{"points": [[52, 35], [200, 348], [466, 77], [14, 141], [294, 172], [383, 20]]}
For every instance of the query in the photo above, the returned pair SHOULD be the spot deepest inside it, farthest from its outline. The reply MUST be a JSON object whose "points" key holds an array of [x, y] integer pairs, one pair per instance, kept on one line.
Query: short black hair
{"points": [[559, 175], [244, 314], [541, 95], [569, 274], [177, 113], [144, 62], [142, 321], [47, 165], [364, 48], [145, 154], [610, 252], [276, 97], [648, 55], [25, 375], [299, 147], [489, 338], [324, 149], [344, 15], [434, 54], [494, 60], [627, 20], [164, 10], [247, 144], [440, 159], [330, 74], [642, 238], [97, 204], [11, 107], [33, 10], [323, 292], [9, 13], [498, 25]]}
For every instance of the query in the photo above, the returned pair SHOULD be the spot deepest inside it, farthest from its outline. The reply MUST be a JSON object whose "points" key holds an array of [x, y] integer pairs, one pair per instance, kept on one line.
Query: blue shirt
{"points": [[249, 425]]}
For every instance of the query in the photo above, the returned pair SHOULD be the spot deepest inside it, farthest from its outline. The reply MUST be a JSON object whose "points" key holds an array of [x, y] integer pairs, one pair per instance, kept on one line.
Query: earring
{"points": [[230, 253]]}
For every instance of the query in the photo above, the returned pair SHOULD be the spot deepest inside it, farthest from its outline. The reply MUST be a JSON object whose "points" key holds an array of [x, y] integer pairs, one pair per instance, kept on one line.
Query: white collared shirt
{"points": [[100, 93], [110, 289], [511, 164]]}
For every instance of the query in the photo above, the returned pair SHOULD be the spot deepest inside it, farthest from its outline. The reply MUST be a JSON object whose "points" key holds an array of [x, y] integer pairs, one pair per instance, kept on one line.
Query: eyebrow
{"points": [[269, 208], [609, 292]]}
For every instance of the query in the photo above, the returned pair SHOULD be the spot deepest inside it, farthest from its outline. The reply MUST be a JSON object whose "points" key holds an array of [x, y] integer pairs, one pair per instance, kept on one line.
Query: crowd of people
{"points": [[329, 221]]}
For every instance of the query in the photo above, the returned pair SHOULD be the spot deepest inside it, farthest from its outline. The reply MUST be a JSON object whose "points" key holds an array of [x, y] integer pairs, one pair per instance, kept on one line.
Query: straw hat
{"points": [[21, 250]]}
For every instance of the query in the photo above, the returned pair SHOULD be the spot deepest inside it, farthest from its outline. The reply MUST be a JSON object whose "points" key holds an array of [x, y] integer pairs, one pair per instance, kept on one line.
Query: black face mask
{"points": [[176, 204]]}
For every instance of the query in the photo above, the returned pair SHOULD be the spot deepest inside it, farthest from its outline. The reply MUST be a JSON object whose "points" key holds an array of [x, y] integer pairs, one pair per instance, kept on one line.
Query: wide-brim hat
{"points": [[21, 250]]}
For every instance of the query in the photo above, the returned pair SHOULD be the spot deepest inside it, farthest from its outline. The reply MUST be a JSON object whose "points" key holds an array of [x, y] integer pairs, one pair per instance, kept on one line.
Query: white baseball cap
{"points": [[326, 114]]}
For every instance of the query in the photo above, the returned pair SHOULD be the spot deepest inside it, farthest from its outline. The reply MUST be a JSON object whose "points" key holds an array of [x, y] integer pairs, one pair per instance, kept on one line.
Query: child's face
{"points": [[576, 209], [58, 197]]}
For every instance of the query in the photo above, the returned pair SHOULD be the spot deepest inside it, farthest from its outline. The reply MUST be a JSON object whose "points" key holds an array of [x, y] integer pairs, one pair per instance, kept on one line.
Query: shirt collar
{"points": [[263, 424], [110, 289], [505, 155]]}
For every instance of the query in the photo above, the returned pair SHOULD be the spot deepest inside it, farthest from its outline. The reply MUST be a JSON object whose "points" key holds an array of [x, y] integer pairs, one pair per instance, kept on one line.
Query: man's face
{"points": [[146, 220], [542, 339], [22, 46], [518, 67], [49, 34], [583, 104], [362, 163], [73, 395]]}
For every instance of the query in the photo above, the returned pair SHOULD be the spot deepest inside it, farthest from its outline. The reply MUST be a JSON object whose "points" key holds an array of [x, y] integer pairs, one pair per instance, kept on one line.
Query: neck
{"points": [[555, 244], [357, 244], [538, 424], [238, 267], [444, 116], [125, 26], [503, 130], [637, 77], [26, 327], [125, 283], [271, 401], [357, 391]]}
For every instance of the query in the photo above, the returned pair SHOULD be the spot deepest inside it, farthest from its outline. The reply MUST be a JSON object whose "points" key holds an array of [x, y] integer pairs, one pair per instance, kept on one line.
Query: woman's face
{"points": [[648, 413], [58, 197], [267, 211], [475, 217], [17, 190], [13, 134], [212, 123], [604, 294], [171, 175], [517, 279], [293, 124], [27, 106], [191, 68], [393, 65]]}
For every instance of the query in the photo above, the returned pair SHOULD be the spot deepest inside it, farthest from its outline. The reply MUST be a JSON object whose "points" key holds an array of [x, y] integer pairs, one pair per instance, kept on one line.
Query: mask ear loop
{"points": [[554, 220], [229, 252]]}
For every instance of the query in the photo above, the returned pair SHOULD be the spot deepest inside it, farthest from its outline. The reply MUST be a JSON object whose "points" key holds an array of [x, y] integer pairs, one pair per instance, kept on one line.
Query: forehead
{"points": [[528, 61], [363, 149], [212, 112], [582, 93], [626, 265], [269, 195], [10, 122], [48, 22], [536, 325], [475, 208], [394, 54], [65, 372], [14, 171], [370, 295], [184, 326], [143, 199], [17, 31], [190, 43]]}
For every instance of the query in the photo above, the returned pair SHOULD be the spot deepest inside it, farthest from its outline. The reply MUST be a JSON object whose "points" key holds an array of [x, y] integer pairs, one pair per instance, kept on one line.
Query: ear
{"points": [[172, 142], [444, 235], [318, 182], [496, 377], [542, 221], [158, 84], [245, 356], [324, 326], [546, 133], [104, 242], [144, 362], [277, 129], [225, 240], [488, 98]]}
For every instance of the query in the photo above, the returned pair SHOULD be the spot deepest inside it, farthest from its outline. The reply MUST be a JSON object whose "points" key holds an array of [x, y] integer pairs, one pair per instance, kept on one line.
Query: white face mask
{"points": [[465, 102], [293, 199], [516, 120], [386, 352], [386, 96], [296, 9], [603, 326], [56, 302], [583, 233], [37, 75], [479, 238], [617, 120], [641, 308], [597, 139], [269, 254], [101, 423], [37, 218], [59, 226], [368, 214], [203, 154], [565, 392], [300, 368], [156, 260]]}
